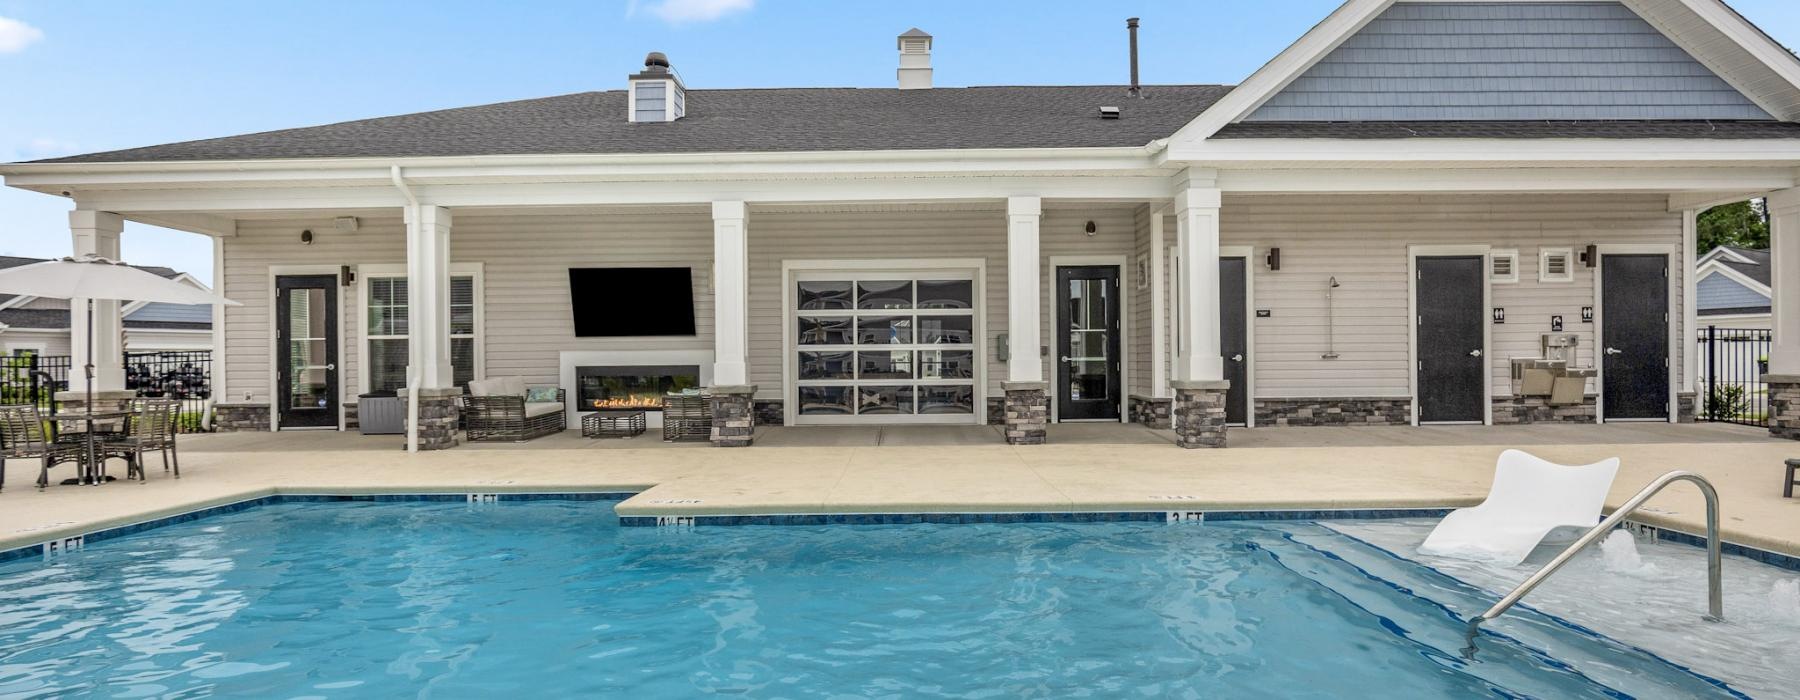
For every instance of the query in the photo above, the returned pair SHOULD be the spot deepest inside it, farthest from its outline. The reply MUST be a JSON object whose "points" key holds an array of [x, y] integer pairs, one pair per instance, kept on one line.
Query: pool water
{"points": [[548, 597]]}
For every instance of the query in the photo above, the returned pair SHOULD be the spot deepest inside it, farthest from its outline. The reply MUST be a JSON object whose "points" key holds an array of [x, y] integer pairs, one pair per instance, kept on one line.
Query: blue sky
{"points": [[104, 74]]}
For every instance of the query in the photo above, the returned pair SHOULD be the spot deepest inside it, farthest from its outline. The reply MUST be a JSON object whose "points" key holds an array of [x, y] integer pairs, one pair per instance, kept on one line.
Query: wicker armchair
{"points": [[507, 418], [22, 436], [151, 429], [686, 417]]}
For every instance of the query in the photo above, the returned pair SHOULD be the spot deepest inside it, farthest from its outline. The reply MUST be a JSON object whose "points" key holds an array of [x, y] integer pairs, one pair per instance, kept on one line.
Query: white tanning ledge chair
{"points": [[1529, 499]]}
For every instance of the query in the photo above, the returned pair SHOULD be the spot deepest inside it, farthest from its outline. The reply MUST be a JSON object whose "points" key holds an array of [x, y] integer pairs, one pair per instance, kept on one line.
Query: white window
{"points": [[1505, 266], [384, 303], [1556, 265], [886, 347]]}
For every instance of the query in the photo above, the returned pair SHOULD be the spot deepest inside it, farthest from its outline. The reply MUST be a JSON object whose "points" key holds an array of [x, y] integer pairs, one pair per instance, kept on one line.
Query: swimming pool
{"points": [[372, 599]]}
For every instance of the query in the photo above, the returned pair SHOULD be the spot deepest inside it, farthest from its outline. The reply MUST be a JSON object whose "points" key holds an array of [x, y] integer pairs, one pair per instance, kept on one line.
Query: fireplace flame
{"points": [[634, 401]]}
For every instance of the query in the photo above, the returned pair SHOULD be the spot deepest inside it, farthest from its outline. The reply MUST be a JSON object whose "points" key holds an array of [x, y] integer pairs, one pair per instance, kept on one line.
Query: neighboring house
{"points": [[34, 324], [1731, 288], [1364, 231]]}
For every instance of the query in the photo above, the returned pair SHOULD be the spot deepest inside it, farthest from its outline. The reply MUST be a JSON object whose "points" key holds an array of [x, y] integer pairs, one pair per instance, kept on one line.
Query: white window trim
{"points": [[1568, 275], [793, 271], [364, 273], [1510, 254]]}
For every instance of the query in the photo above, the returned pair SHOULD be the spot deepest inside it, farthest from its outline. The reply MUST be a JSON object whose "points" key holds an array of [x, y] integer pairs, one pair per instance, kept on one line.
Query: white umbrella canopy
{"points": [[93, 277]]}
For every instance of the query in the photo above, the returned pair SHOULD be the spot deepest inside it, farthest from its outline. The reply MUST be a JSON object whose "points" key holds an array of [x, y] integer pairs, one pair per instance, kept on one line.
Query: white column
{"points": [[1197, 234], [731, 295], [97, 233], [1159, 306], [1690, 314], [1023, 305], [220, 391], [1784, 282], [428, 296]]}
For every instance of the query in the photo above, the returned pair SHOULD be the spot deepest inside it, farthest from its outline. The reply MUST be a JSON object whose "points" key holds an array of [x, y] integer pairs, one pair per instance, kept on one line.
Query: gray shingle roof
{"points": [[1513, 130], [788, 119], [1759, 269], [58, 319]]}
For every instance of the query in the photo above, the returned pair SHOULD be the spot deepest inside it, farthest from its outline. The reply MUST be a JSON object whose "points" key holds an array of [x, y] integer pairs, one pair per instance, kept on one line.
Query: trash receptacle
{"points": [[381, 414]]}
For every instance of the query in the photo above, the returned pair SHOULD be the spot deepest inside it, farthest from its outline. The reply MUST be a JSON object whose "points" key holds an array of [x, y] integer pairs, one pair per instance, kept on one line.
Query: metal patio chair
{"points": [[151, 428], [23, 436]]}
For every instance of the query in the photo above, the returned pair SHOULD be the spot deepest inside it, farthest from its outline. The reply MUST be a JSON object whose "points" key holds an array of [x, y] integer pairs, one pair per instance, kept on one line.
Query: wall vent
{"points": [[1505, 266], [1556, 265]]}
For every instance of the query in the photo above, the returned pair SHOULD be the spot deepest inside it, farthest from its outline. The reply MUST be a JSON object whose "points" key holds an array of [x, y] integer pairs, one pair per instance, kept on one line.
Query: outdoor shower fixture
{"points": [[1330, 320]]}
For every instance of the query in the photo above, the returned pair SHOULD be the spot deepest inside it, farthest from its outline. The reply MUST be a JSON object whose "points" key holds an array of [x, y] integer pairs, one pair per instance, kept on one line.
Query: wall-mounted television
{"points": [[610, 302]]}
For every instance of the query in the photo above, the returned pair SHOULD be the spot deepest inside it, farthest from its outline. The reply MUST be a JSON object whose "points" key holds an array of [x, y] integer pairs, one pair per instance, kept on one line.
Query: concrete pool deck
{"points": [[1087, 468]]}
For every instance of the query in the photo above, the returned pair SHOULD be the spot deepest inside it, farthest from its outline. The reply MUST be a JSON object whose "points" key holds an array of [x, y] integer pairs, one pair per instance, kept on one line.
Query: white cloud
{"points": [[16, 35], [685, 11]]}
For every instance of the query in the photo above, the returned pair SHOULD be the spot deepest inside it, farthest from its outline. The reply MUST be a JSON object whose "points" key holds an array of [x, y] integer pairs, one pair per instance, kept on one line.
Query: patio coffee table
{"points": [[613, 424]]}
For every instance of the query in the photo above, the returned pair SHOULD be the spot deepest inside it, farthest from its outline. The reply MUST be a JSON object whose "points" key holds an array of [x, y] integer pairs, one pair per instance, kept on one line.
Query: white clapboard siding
{"points": [[1063, 233], [525, 262], [1138, 340], [1362, 240], [249, 256]]}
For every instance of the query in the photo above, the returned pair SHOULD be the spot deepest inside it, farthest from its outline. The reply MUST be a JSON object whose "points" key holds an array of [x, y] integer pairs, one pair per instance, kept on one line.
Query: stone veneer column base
{"points": [[1152, 411], [1199, 413], [437, 418], [241, 417], [1027, 412], [733, 415], [1784, 405]]}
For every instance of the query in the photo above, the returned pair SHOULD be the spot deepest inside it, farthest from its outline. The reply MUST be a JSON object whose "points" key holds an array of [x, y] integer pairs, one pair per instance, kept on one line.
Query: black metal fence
{"points": [[184, 376], [1732, 362]]}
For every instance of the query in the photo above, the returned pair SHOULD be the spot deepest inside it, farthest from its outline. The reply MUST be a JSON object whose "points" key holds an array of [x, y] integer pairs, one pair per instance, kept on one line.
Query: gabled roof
{"points": [[788, 119], [1757, 266]]}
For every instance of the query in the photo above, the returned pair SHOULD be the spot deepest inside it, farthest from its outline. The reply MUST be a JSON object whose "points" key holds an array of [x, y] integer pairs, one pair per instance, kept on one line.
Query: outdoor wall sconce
{"points": [[1274, 259], [1590, 256], [1092, 229], [346, 275], [306, 237]]}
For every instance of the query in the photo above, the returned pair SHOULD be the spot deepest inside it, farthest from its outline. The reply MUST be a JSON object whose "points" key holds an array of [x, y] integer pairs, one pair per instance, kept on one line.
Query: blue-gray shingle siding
{"points": [[1508, 61], [172, 313], [1716, 291]]}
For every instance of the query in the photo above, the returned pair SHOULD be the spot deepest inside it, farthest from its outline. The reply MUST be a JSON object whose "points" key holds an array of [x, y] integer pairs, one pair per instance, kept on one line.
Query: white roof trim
{"points": [[1782, 101], [1724, 252], [1713, 267]]}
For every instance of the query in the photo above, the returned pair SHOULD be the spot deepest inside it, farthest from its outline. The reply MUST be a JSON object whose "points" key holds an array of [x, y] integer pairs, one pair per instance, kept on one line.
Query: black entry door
{"points": [[1234, 338], [1087, 343], [1450, 343], [1634, 336], [306, 340]]}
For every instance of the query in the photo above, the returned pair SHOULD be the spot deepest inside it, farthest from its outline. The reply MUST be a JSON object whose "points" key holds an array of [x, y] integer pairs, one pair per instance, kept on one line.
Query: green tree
{"points": [[1740, 224]]}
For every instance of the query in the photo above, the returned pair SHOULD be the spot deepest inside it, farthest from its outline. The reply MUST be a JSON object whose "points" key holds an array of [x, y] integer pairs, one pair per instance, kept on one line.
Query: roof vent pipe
{"points": [[1131, 26], [915, 60]]}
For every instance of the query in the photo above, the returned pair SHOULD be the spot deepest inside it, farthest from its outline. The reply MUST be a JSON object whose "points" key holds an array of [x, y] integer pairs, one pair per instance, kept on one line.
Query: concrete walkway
{"points": [[1086, 468]]}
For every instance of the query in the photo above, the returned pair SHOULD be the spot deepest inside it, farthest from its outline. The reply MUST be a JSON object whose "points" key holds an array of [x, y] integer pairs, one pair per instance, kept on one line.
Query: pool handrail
{"points": [[1715, 599]]}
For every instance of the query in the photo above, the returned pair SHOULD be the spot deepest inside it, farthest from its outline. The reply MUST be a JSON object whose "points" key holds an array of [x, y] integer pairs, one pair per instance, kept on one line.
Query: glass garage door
{"points": [[885, 348]]}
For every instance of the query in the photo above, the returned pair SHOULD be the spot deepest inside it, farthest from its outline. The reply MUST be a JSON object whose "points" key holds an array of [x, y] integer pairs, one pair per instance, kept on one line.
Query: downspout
{"points": [[411, 216]]}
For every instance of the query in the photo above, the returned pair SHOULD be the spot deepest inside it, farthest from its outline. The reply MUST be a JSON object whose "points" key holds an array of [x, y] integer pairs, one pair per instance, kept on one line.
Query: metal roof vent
{"points": [[1109, 112], [656, 94]]}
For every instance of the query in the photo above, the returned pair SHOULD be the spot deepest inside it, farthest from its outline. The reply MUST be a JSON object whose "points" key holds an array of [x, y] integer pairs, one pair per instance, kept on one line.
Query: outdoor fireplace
{"points": [[636, 387]]}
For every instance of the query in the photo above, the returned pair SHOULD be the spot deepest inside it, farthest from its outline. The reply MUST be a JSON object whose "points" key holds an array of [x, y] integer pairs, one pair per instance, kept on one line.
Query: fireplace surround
{"points": [[629, 372]]}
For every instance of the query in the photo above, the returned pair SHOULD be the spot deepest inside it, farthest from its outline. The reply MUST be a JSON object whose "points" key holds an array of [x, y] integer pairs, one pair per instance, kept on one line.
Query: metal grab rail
{"points": [[1715, 600]]}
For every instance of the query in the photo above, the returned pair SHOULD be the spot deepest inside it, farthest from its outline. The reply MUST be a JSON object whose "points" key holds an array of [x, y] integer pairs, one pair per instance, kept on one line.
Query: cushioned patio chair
{"points": [[23, 436], [504, 409]]}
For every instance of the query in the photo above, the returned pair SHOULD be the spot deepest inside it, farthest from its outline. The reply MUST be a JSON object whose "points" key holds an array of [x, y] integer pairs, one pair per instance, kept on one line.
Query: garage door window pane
{"points": [[946, 294], [825, 296], [884, 295], [884, 365], [946, 330], [884, 330], [825, 331], [939, 400], [825, 400], [825, 365], [946, 364], [884, 400]]}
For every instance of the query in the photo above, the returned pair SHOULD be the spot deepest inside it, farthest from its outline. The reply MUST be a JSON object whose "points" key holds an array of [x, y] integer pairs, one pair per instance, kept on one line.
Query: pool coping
{"points": [[62, 540]]}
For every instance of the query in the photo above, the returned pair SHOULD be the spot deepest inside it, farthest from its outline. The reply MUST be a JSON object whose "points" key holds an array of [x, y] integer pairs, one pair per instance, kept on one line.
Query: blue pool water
{"points": [[546, 597]]}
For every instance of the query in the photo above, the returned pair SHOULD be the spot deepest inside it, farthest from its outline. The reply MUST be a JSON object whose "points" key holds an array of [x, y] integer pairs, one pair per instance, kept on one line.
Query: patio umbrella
{"points": [[93, 277]]}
